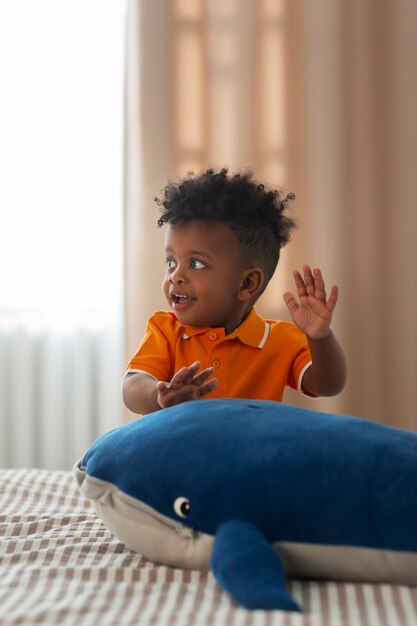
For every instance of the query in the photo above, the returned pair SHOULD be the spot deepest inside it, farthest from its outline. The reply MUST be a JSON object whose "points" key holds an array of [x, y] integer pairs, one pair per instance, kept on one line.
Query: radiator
{"points": [[58, 392]]}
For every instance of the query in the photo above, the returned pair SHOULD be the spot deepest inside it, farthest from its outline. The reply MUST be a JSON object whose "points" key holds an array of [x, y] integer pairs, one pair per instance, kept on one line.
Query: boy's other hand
{"points": [[185, 385], [313, 313]]}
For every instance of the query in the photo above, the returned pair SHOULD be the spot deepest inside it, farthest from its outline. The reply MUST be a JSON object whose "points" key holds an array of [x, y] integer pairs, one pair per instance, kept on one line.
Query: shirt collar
{"points": [[253, 331]]}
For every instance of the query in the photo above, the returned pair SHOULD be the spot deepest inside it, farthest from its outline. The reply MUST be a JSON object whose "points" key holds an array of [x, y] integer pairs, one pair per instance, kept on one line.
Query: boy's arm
{"points": [[327, 374], [313, 315], [142, 393]]}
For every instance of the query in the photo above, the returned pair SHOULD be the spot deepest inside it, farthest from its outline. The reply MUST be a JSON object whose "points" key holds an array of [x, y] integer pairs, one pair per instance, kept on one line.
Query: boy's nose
{"points": [[177, 278]]}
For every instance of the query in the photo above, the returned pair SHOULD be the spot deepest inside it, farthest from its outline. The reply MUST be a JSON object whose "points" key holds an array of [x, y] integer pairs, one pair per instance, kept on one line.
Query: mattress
{"points": [[60, 565]]}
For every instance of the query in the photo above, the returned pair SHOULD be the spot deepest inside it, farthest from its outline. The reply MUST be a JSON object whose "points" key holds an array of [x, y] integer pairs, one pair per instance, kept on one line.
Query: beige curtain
{"points": [[320, 98]]}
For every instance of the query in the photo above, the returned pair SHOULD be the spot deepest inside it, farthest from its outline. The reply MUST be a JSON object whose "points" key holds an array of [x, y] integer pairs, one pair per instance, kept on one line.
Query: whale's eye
{"points": [[182, 507]]}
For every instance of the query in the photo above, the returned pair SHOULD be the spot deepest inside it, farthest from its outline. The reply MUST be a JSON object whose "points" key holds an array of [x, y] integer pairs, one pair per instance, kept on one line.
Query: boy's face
{"points": [[204, 271]]}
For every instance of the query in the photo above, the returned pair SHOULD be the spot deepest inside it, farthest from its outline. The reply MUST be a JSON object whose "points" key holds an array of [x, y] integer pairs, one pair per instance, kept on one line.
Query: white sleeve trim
{"points": [[136, 372], [300, 382], [300, 378]]}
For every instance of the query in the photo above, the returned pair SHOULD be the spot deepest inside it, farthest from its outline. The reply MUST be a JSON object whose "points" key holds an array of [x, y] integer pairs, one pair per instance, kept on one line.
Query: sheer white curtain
{"points": [[61, 197]]}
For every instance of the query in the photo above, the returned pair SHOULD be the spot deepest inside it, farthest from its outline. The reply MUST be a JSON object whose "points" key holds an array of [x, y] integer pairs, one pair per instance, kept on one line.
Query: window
{"points": [[61, 122], [61, 160]]}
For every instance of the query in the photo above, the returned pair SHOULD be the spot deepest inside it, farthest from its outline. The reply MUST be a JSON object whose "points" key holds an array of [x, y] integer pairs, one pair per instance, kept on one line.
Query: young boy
{"points": [[223, 243]]}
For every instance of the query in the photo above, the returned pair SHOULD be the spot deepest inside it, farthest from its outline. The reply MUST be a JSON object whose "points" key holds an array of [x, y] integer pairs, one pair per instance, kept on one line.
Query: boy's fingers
{"points": [[178, 378], [202, 376], [309, 280], [290, 301], [299, 283], [185, 375], [320, 291], [331, 302], [191, 372], [208, 387]]}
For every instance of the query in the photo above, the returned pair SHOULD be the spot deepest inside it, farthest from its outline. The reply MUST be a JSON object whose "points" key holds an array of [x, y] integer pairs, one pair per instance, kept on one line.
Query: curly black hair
{"points": [[253, 212]]}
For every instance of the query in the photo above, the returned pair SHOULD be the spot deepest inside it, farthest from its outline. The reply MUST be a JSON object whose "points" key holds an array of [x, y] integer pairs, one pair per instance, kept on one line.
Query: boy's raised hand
{"points": [[185, 385], [313, 313]]}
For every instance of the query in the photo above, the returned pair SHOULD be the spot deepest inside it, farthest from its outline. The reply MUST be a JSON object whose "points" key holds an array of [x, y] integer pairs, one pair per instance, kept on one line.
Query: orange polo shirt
{"points": [[255, 361]]}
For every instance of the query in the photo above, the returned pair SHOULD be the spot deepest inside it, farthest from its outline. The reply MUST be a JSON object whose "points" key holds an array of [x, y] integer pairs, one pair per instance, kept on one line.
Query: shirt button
{"points": [[213, 336], [216, 364]]}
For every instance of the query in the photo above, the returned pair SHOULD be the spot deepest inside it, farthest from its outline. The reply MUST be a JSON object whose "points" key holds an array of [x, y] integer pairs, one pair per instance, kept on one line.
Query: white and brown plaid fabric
{"points": [[59, 565]]}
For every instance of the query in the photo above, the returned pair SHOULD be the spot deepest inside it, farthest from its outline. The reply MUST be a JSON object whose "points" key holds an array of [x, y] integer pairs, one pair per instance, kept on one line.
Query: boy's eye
{"points": [[170, 263], [197, 265]]}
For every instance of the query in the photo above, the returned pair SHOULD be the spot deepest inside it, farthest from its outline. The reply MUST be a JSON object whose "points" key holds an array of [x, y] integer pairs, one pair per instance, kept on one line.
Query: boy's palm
{"points": [[185, 385], [313, 313]]}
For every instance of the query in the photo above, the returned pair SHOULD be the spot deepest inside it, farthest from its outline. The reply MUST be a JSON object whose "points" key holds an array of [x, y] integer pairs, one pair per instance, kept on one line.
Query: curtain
{"points": [[61, 160], [319, 98]]}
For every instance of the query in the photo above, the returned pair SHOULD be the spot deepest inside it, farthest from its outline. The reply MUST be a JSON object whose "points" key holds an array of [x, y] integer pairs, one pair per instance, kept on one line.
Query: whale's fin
{"points": [[248, 568]]}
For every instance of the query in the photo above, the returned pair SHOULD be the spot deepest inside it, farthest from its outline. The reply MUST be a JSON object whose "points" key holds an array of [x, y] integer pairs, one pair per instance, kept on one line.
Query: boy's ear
{"points": [[252, 282]]}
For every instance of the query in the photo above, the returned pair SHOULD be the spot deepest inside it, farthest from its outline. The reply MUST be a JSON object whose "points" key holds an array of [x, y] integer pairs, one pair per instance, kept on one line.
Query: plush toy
{"points": [[260, 491]]}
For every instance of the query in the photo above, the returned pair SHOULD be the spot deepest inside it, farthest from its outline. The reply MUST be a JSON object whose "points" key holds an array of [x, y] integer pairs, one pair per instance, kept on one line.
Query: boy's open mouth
{"points": [[180, 301]]}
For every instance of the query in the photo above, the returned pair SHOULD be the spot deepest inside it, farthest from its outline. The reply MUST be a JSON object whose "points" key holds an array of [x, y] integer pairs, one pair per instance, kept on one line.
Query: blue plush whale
{"points": [[260, 491]]}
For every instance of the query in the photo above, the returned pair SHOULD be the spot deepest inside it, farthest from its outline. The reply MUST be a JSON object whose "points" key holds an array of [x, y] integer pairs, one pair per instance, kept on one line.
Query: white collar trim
{"points": [[266, 335]]}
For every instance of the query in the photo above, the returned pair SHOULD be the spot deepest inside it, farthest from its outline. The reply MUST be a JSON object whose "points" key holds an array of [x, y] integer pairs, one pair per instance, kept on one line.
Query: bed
{"points": [[60, 565]]}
